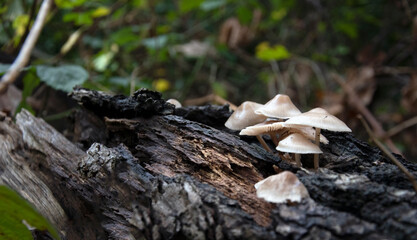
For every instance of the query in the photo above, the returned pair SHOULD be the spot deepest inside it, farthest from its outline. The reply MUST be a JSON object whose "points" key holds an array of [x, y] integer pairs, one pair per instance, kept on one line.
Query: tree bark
{"points": [[141, 169]]}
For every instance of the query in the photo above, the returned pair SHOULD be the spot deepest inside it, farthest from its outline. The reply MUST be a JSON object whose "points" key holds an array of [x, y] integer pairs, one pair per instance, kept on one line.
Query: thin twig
{"points": [[133, 78], [395, 70], [389, 154], [278, 76], [26, 50], [71, 41], [406, 124], [355, 102]]}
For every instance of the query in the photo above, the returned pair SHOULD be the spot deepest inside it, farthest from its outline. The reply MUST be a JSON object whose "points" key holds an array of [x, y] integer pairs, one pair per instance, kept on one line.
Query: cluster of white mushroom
{"points": [[290, 130]]}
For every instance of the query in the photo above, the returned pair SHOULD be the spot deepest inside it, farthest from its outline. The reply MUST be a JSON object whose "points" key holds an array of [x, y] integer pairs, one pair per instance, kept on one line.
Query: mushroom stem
{"points": [[263, 143], [297, 159], [274, 138], [316, 155]]}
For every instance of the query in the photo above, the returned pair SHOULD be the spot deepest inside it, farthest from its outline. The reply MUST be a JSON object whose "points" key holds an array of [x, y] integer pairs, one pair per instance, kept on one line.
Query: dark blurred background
{"points": [[200, 51]]}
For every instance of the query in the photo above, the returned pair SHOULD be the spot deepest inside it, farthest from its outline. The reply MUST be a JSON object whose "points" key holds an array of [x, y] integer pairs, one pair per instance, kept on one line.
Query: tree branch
{"points": [[400, 127], [24, 53]]}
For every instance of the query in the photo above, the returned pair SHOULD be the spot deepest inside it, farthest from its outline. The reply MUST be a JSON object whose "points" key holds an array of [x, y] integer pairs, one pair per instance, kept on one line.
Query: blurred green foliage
{"points": [[125, 45]]}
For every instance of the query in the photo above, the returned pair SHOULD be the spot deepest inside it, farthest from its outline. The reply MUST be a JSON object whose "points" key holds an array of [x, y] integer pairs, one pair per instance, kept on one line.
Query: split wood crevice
{"points": [[156, 172]]}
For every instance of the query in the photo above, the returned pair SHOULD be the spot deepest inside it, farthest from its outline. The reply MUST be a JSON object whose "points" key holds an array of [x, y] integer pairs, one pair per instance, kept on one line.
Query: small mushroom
{"points": [[269, 127], [306, 131], [245, 116], [319, 119], [297, 144], [280, 107], [174, 102], [281, 188]]}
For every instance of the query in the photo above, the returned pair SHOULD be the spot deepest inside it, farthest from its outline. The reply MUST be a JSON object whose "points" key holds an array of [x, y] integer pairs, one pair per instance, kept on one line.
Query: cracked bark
{"points": [[142, 169]]}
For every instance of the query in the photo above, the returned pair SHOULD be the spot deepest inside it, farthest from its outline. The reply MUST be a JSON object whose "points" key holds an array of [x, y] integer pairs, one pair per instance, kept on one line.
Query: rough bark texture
{"points": [[142, 169]]}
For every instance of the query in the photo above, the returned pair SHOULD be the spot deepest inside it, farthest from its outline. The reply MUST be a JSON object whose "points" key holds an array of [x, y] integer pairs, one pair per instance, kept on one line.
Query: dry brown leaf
{"points": [[10, 100], [234, 34], [195, 49]]}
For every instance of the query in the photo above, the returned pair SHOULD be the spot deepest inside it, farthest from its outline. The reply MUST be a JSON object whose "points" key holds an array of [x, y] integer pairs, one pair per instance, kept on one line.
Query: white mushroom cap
{"points": [[281, 188], [319, 118], [174, 102], [245, 116], [297, 143], [280, 106], [306, 131], [261, 128]]}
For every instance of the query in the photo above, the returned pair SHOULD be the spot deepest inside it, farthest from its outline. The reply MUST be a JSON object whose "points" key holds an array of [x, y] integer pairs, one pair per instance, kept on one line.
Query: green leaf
{"points": [[139, 3], [30, 82], [13, 211], [267, 53], [3, 68], [278, 15], [244, 15], [209, 5], [20, 23], [124, 35], [79, 18], [3, 9], [69, 3], [219, 89], [188, 5], [63, 78], [100, 12], [155, 42], [349, 29], [102, 60]]}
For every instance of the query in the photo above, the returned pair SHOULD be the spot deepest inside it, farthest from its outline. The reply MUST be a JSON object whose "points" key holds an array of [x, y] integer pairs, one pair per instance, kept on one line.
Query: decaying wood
{"points": [[156, 172]]}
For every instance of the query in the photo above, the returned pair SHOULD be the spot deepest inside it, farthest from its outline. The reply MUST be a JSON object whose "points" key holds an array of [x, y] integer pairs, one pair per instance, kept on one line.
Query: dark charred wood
{"points": [[154, 175], [143, 103], [210, 115]]}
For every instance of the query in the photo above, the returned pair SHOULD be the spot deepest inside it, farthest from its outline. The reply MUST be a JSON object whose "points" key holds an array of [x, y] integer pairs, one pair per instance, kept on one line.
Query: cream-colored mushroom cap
{"points": [[280, 106], [281, 188], [297, 143], [174, 102], [319, 118], [245, 116], [306, 131], [262, 128]]}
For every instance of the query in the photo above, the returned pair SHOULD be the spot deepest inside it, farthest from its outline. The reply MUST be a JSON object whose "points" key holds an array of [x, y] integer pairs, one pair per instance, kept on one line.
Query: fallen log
{"points": [[142, 169]]}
